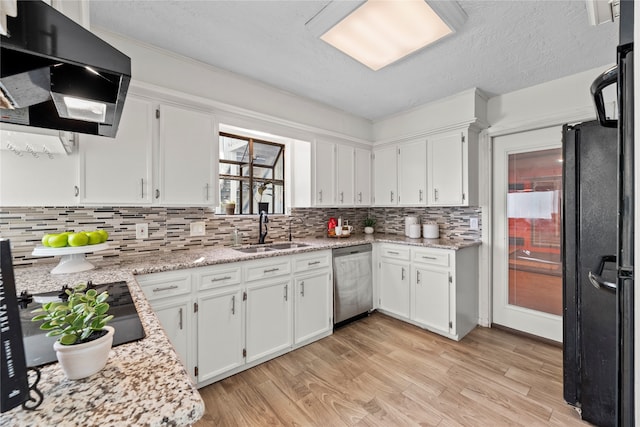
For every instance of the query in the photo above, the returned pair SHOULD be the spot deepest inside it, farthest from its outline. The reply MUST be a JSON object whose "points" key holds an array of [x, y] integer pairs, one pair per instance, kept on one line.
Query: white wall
{"points": [[169, 70]]}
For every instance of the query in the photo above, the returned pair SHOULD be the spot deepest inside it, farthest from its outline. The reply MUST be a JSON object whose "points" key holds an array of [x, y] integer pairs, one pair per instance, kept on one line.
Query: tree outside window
{"points": [[251, 174]]}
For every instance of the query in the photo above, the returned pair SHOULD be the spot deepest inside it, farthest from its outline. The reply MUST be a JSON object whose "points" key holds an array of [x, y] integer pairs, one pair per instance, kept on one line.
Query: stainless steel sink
{"points": [[254, 250], [288, 245]]}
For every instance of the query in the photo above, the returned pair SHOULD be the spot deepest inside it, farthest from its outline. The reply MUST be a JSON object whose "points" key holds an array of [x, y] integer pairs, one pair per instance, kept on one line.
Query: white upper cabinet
{"points": [[345, 175], [452, 157], [324, 180], [385, 169], [362, 180], [412, 173], [119, 170], [187, 148]]}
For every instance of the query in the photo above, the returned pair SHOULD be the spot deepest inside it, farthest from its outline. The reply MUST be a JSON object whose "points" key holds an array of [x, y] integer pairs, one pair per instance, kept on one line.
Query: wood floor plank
{"points": [[380, 371]]}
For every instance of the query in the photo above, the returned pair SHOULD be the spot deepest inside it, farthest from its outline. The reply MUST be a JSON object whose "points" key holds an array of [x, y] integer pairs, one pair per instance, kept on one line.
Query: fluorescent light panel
{"points": [[381, 32]]}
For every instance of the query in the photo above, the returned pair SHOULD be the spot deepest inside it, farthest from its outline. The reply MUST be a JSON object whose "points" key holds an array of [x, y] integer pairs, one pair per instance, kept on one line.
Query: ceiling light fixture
{"points": [[380, 32]]}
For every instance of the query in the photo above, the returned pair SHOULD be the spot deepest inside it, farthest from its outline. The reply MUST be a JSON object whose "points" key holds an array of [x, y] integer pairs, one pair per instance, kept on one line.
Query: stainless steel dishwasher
{"points": [[352, 283]]}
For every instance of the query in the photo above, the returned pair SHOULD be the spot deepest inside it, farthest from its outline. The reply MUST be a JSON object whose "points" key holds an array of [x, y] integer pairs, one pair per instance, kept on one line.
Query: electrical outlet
{"points": [[473, 223], [142, 231], [197, 228]]}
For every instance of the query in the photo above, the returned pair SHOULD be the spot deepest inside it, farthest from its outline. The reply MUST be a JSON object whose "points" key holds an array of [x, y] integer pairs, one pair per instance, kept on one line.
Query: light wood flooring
{"points": [[382, 372]]}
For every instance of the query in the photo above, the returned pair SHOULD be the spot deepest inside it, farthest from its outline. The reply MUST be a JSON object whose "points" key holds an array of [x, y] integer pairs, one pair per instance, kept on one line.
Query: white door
{"points": [[344, 175], [219, 333], [527, 263], [412, 173], [175, 320], [325, 172], [431, 297], [313, 306], [447, 166], [268, 319], [385, 176], [363, 177], [395, 293]]}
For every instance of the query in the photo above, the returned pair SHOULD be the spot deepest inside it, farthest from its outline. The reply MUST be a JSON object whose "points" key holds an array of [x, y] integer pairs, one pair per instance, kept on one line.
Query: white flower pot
{"points": [[82, 360], [368, 230]]}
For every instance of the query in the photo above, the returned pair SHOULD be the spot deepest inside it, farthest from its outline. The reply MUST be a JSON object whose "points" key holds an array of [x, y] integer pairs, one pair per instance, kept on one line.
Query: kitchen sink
{"points": [[255, 249], [288, 245]]}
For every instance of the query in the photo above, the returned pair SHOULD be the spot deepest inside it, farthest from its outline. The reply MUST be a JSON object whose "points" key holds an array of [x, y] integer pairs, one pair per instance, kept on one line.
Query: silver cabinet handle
{"points": [[320, 194], [360, 197], [166, 288], [271, 270], [157, 193], [418, 276], [286, 292], [342, 197], [392, 196], [403, 273], [233, 304], [393, 252], [420, 192], [218, 279], [435, 193], [76, 190], [180, 321], [142, 188], [207, 187], [302, 288], [429, 257], [313, 263]]}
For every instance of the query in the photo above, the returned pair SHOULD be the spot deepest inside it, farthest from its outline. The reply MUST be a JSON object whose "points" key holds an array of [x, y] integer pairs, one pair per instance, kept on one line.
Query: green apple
{"points": [[45, 240], [57, 240], [104, 235], [94, 237], [78, 239]]}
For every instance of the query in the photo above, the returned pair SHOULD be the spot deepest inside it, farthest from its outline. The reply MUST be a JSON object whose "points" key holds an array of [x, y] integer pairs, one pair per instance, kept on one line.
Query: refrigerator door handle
{"points": [[596, 278], [603, 80]]}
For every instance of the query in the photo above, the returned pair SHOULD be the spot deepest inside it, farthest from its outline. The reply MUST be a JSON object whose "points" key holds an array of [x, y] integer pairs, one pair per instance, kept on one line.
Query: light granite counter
{"points": [[144, 382]]}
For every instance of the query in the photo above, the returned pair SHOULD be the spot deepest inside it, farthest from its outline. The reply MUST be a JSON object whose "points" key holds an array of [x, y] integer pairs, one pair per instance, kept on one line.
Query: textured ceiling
{"points": [[502, 47]]}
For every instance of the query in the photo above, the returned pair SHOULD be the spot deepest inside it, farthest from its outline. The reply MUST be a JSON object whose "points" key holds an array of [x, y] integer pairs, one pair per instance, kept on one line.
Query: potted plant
{"points": [[262, 206], [369, 222], [229, 207], [81, 324]]}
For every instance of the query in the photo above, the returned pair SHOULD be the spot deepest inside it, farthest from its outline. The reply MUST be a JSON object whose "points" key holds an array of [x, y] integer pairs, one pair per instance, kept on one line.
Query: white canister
{"points": [[408, 222], [414, 231], [430, 230]]}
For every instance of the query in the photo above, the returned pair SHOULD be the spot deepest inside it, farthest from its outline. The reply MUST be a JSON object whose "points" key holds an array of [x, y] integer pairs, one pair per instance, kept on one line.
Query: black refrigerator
{"points": [[598, 251]]}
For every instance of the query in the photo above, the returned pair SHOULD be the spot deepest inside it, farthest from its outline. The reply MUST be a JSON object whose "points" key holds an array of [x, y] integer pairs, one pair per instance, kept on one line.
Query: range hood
{"points": [[56, 74]]}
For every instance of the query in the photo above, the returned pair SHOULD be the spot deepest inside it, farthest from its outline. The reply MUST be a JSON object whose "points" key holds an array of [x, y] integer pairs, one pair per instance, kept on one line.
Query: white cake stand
{"points": [[73, 257]]}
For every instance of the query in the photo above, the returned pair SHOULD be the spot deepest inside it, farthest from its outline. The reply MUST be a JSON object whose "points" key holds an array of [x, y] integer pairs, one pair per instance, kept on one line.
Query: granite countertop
{"points": [[144, 382]]}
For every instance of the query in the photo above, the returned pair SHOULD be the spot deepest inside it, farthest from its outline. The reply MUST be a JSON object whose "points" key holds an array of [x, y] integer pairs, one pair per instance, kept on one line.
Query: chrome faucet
{"points": [[264, 219]]}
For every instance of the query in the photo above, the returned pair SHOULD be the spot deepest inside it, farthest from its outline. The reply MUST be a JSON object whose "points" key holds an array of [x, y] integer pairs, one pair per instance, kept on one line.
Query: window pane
{"points": [[262, 173], [234, 149], [229, 169], [279, 169], [278, 199], [246, 197], [230, 191], [265, 154]]}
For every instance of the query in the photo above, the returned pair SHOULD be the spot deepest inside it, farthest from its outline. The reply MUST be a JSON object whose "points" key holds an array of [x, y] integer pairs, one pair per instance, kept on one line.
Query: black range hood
{"points": [[56, 74]]}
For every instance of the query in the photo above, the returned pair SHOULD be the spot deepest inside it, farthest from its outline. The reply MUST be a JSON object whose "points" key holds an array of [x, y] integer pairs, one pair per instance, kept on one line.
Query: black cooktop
{"points": [[39, 348]]}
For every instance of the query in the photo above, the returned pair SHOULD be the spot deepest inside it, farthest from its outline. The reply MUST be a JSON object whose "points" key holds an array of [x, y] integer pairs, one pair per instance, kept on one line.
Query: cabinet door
{"points": [[386, 176], [117, 171], [431, 298], [325, 172], [313, 306], [45, 180], [362, 177], [395, 292], [268, 317], [412, 173], [187, 142], [219, 333], [176, 320], [345, 175], [447, 169]]}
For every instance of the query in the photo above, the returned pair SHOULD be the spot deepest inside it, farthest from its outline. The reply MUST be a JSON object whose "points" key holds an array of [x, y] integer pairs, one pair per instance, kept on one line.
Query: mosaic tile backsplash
{"points": [[169, 227]]}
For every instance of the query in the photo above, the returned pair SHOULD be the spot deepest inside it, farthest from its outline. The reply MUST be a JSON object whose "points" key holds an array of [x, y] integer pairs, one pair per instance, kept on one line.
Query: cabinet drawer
{"points": [[264, 270], [431, 256], [312, 261], [164, 285], [395, 252], [211, 278]]}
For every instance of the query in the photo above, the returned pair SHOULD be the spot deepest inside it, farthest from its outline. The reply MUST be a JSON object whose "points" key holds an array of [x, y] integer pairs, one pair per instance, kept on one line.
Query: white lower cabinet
{"points": [[268, 317], [220, 339], [440, 293]]}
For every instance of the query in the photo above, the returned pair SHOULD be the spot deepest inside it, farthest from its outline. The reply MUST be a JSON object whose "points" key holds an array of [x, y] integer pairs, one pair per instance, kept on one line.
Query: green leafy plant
{"points": [[76, 319], [369, 221]]}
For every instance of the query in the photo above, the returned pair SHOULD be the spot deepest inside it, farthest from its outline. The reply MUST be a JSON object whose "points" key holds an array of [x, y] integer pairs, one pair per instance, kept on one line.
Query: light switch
{"points": [[473, 223], [197, 228], [142, 231]]}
